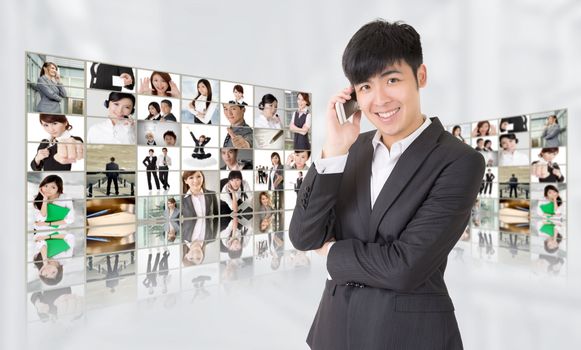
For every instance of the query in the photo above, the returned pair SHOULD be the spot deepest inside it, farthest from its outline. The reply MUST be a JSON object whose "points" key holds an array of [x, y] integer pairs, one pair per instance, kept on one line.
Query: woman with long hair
{"points": [[201, 106], [50, 89], [275, 175], [159, 84]]}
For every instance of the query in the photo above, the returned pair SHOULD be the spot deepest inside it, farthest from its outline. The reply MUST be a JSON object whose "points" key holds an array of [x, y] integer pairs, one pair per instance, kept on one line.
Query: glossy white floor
{"points": [[498, 306]]}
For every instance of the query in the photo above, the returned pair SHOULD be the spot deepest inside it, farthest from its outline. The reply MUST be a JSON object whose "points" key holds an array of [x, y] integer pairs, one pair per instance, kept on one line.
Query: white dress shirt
{"points": [[263, 122], [163, 159], [383, 163], [106, 132], [512, 159]]}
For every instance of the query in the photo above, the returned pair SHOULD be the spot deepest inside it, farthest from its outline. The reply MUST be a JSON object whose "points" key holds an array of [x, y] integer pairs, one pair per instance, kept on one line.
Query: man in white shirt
{"points": [[387, 206], [163, 164]]}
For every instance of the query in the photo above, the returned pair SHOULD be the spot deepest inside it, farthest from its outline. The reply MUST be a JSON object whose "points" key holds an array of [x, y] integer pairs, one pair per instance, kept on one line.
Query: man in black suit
{"points": [[386, 207], [513, 186], [489, 178], [102, 77], [150, 163], [112, 169], [166, 114]]}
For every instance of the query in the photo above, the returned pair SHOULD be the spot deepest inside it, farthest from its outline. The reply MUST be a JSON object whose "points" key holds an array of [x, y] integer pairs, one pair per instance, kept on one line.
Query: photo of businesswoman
{"points": [[201, 107], [61, 149], [197, 200], [484, 128], [53, 209], [50, 270], [158, 84], [551, 207], [546, 168], [300, 123], [171, 215], [201, 233], [276, 173], [50, 88], [551, 131], [154, 110], [119, 127], [268, 117]]}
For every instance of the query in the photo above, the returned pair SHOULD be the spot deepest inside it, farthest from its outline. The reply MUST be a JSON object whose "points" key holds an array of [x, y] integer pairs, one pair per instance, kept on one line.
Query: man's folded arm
{"points": [[406, 263]]}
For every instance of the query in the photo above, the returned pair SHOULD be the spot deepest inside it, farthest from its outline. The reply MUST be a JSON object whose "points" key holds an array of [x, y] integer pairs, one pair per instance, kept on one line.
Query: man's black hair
{"points": [[379, 44], [235, 174]]}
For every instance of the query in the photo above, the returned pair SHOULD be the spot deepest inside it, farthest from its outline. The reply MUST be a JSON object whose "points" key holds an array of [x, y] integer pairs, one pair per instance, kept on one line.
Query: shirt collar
{"points": [[65, 135], [404, 143], [189, 194]]}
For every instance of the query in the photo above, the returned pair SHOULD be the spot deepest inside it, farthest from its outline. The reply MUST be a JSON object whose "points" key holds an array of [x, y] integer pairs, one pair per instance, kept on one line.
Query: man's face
{"points": [[480, 144], [165, 108], [235, 114], [169, 140], [228, 156], [391, 101]]}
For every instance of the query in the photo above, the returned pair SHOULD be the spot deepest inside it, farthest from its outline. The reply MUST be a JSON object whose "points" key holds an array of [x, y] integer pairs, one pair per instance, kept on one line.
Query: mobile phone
{"points": [[347, 109]]}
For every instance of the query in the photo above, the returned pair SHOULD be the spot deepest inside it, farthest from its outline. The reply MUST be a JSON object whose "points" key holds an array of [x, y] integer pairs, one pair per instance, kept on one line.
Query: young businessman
{"points": [[387, 206]]}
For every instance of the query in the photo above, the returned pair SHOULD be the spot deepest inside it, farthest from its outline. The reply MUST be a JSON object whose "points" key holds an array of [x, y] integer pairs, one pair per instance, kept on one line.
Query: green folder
{"points": [[548, 208], [56, 213], [56, 246], [549, 229]]}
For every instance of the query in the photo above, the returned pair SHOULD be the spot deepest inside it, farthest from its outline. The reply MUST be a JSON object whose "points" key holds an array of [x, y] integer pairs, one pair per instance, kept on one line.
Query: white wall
{"points": [[485, 59]]}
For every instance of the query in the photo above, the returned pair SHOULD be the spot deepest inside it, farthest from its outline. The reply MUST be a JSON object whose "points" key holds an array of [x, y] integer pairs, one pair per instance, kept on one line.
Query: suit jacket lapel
{"points": [[188, 207], [404, 170], [208, 201], [363, 179]]}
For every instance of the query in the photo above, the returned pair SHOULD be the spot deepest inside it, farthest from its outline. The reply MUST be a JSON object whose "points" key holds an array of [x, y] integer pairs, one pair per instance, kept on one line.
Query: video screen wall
{"points": [[143, 182], [520, 215]]}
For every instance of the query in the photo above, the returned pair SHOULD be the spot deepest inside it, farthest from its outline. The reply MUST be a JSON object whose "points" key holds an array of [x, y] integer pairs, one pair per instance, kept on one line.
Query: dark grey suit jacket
{"points": [[387, 266], [188, 211]]}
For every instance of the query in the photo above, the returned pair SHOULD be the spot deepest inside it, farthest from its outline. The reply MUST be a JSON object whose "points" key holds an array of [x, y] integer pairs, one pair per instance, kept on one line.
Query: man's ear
{"points": [[422, 76]]}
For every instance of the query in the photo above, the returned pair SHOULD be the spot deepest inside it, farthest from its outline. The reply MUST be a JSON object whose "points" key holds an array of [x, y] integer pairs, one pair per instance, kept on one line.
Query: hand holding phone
{"points": [[347, 109], [340, 136]]}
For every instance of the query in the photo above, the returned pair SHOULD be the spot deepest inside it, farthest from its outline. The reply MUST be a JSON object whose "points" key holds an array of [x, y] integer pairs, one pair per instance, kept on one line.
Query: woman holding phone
{"points": [[50, 88]]}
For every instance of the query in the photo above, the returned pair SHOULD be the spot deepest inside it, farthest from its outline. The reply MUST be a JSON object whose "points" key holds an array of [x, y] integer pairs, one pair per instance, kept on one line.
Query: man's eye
{"points": [[392, 80]]}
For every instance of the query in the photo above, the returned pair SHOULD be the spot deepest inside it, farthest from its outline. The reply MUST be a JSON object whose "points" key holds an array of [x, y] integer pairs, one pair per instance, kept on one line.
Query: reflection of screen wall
{"points": [[522, 202], [139, 179]]}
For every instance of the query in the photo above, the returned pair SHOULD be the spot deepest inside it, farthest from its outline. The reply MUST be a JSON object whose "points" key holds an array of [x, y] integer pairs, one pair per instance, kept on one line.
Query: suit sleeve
{"points": [[314, 215], [37, 167], [551, 133], [49, 93], [423, 246]]}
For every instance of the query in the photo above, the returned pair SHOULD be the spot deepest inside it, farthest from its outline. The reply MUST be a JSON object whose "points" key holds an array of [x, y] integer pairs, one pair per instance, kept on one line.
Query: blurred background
{"points": [[485, 59]]}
